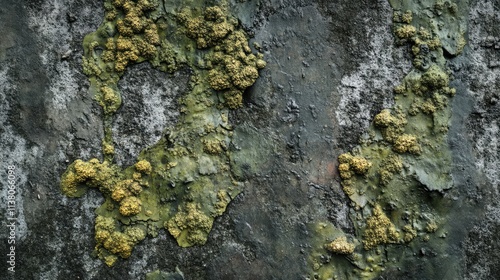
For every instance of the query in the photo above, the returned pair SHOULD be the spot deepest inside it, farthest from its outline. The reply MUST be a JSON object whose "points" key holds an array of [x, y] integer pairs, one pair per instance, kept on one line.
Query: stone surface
{"points": [[331, 67]]}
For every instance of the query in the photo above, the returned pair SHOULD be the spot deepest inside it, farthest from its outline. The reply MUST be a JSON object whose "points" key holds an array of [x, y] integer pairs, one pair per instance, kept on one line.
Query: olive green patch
{"points": [[185, 180], [393, 176]]}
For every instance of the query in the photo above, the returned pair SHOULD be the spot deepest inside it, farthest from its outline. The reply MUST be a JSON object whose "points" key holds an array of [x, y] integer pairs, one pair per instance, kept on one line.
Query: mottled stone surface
{"points": [[331, 66]]}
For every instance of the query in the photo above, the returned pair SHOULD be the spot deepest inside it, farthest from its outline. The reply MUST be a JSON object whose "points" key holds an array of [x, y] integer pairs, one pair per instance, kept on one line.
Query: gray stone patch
{"points": [[149, 106]]}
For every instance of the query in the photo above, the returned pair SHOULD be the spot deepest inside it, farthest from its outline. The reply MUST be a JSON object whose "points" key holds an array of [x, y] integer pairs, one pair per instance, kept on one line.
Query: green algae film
{"points": [[184, 181]]}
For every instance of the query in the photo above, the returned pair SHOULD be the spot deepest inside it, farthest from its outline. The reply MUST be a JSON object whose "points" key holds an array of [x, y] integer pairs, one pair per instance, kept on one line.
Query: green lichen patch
{"points": [[446, 19], [395, 200], [183, 182], [329, 246], [379, 230]]}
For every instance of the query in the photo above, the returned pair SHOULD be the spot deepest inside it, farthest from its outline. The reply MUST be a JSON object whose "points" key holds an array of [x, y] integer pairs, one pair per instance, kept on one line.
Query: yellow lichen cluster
{"points": [[416, 125], [405, 17], [406, 31], [391, 125], [190, 226], [112, 243], [213, 146], [130, 206], [105, 177], [144, 167], [431, 91], [422, 40], [340, 246], [223, 200], [431, 227], [135, 31], [232, 65], [90, 67], [434, 78], [125, 192], [209, 29], [422, 44], [91, 173], [409, 233], [379, 230], [350, 165], [440, 6], [137, 34], [109, 99], [108, 148], [407, 143], [391, 165], [392, 128]]}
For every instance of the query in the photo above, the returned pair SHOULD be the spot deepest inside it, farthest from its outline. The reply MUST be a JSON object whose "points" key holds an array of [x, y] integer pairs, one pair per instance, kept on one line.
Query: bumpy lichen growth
{"points": [[130, 206], [184, 181], [409, 233], [379, 230], [111, 242], [144, 166], [431, 227], [92, 173], [350, 165], [232, 67], [340, 246], [407, 145], [190, 226]]}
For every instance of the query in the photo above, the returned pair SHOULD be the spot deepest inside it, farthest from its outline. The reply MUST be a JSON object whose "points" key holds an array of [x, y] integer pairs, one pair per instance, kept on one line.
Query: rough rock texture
{"points": [[331, 66], [143, 118]]}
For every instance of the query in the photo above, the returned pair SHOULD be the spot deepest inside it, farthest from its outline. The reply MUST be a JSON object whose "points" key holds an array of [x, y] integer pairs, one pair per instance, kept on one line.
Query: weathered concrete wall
{"points": [[331, 67]]}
